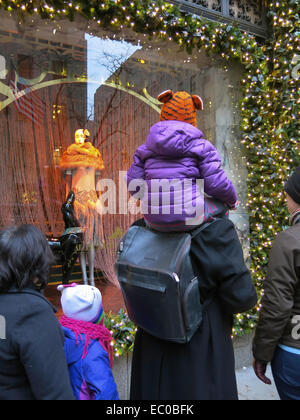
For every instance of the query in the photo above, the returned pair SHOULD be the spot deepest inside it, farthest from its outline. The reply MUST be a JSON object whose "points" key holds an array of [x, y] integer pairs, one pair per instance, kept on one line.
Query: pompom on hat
{"points": [[82, 303], [180, 106]]}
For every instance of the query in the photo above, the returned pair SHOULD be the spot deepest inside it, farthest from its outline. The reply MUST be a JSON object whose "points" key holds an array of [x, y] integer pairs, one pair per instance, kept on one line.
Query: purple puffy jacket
{"points": [[176, 153]]}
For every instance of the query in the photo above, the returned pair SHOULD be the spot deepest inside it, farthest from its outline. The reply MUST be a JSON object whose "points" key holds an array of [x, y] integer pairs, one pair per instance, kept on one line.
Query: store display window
{"points": [[61, 78]]}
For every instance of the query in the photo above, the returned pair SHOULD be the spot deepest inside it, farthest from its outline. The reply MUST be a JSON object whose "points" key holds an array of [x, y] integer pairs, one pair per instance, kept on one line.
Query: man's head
{"points": [[292, 189]]}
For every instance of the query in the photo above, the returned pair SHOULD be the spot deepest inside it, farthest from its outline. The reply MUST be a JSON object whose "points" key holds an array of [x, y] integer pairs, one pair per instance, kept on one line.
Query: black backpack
{"points": [[159, 283]]}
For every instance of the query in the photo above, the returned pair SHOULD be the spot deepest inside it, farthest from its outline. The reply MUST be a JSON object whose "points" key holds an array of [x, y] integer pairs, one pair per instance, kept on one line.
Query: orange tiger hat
{"points": [[180, 106]]}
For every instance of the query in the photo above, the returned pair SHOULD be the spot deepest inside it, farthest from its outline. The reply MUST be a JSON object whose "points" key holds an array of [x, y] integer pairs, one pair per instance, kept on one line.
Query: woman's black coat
{"points": [[32, 358], [203, 369]]}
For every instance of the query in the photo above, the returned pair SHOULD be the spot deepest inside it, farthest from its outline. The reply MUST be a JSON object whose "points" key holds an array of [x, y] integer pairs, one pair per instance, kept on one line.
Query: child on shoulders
{"points": [[176, 151]]}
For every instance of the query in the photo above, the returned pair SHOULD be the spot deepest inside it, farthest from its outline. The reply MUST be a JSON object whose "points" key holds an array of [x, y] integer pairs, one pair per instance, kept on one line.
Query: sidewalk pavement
{"points": [[250, 388]]}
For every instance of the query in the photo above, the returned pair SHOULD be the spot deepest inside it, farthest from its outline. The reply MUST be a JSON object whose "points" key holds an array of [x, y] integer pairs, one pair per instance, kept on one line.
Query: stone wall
{"points": [[221, 121]]}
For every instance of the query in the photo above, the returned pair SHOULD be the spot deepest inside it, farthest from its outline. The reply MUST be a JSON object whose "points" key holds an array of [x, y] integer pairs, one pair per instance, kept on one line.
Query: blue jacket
{"points": [[91, 377]]}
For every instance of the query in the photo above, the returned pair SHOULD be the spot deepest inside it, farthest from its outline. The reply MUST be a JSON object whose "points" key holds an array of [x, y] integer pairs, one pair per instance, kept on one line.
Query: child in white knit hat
{"points": [[87, 343]]}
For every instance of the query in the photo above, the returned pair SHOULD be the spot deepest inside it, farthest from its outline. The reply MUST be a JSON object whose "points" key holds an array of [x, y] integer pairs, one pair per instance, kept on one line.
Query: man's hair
{"points": [[25, 257]]}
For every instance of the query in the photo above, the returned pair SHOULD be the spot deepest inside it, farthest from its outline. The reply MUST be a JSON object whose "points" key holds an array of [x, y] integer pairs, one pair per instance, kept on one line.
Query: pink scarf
{"points": [[91, 331]]}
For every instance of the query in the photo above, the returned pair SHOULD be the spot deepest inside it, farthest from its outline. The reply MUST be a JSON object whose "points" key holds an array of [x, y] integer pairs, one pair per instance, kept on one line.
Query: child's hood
{"points": [[172, 138]]}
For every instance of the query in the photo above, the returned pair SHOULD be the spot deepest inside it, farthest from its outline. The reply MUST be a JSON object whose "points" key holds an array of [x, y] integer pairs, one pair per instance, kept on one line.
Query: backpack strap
{"points": [[196, 232]]}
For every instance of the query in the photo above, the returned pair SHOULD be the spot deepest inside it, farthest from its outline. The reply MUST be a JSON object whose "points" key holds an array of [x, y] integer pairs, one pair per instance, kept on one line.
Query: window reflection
{"points": [[56, 77]]}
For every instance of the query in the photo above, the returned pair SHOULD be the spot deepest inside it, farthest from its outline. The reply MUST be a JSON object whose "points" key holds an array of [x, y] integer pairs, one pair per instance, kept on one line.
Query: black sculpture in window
{"points": [[68, 246]]}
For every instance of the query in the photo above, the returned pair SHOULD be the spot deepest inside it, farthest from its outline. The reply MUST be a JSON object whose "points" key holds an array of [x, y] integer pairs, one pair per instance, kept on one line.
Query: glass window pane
{"points": [[58, 77]]}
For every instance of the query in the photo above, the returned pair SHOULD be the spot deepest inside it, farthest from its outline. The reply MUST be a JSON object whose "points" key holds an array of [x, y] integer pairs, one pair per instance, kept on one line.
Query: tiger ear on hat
{"points": [[165, 96], [198, 102]]}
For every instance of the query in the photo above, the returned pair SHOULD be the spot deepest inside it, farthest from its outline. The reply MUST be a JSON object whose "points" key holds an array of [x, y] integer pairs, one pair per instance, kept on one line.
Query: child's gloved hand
{"points": [[234, 206]]}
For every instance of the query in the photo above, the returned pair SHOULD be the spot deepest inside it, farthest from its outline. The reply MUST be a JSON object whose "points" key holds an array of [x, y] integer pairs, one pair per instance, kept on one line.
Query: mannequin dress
{"points": [[81, 164]]}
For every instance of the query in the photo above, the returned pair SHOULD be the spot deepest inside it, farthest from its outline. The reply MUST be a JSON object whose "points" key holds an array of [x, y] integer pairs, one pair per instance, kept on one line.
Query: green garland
{"points": [[123, 331], [270, 128], [269, 108]]}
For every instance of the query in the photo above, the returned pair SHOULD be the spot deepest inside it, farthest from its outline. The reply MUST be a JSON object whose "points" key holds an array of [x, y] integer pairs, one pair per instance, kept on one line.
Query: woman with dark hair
{"points": [[32, 359]]}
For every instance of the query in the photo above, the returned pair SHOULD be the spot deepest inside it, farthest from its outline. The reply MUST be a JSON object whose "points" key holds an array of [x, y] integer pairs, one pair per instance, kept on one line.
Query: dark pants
{"points": [[286, 372]]}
